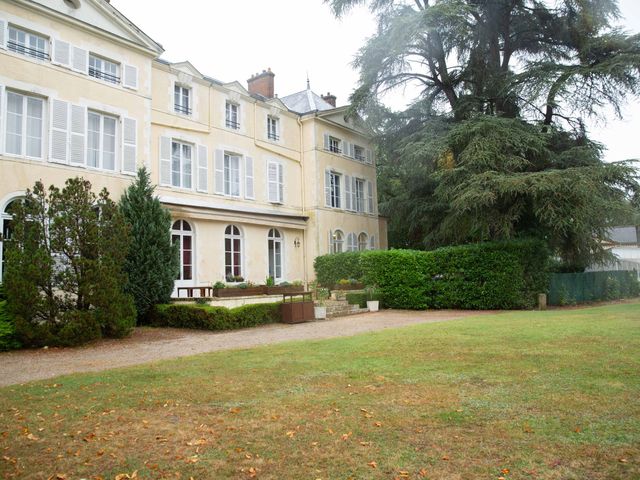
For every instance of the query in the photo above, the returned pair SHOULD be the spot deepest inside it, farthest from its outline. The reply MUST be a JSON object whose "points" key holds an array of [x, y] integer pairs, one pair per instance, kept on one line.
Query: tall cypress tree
{"points": [[152, 263]]}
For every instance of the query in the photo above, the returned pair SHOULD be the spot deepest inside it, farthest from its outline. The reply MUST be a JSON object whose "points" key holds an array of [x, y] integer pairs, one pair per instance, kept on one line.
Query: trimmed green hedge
{"points": [[572, 288], [496, 275], [204, 317]]}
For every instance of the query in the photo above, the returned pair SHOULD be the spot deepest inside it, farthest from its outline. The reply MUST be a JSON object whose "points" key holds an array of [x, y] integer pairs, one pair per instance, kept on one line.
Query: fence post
{"points": [[542, 301]]}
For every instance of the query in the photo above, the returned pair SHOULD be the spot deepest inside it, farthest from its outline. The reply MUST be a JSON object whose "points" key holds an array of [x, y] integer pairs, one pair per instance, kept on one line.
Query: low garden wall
{"points": [[496, 275]]}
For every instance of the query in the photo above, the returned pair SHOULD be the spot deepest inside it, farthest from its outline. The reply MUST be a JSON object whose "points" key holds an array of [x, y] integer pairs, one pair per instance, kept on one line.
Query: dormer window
{"points": [[27, 43], [182, 100], [103, 69], [232, 117], [273, 128]]}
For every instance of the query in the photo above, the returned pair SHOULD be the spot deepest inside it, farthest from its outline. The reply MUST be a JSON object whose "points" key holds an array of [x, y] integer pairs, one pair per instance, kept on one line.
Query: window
{"points": [[231, 175], [274, 249], [181, 163], [27, 43], [334, 145], [6, 223], [358, 195], [358, 153], [352, 243], [337, 240], [103, 69], [276, 182], [363, 241], [232, 252], [182, 235], [101, 141], [24, 125], [182, 99], [273, 128], [332, 189], [232, 118]]}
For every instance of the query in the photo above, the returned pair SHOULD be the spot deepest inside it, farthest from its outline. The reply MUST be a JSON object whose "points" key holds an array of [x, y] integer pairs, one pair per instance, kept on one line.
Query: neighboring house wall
{"points": [[243, 177]]}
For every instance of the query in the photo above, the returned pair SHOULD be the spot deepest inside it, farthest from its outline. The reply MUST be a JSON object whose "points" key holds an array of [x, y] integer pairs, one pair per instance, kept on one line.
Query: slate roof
{"points": [[305, 101]]}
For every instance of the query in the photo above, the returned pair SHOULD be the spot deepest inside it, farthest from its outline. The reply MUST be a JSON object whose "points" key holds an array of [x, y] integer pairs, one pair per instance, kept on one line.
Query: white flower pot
{"points": [[320, 312], [373, 305]]}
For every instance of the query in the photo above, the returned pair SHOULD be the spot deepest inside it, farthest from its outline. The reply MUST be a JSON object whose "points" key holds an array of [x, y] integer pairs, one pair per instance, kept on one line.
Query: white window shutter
{"points": [[346, 149], [3, 34], [248, 178], [326, 141], [219, 172], [330, 242], [79, 60], [370, 198], [203, 169], [61, 53], [327, 188], [130, 77], [78, 134], [354, 194], [165, 161], [281, 183], [368, 156], [348, 192], [59, 148], [129, 145], [272, 180]]}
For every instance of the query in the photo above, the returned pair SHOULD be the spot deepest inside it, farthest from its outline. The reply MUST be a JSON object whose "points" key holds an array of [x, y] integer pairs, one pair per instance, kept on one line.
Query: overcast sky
{"points": [[231, 40]]}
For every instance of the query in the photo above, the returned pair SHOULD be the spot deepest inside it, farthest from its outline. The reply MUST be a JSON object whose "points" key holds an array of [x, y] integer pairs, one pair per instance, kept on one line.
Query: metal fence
{"points": [[571, 288]]}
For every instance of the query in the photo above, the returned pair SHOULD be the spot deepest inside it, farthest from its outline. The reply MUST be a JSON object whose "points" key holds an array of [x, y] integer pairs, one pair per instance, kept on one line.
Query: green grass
{"points": [[544, 395]]}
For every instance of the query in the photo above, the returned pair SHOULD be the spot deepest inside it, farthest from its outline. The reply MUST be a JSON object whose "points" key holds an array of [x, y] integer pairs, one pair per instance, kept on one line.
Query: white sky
{"points": [[232, 40]]}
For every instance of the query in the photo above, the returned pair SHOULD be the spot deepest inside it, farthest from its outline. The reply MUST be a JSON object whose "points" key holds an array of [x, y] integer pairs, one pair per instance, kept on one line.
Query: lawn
{"points": [[524, 395]]}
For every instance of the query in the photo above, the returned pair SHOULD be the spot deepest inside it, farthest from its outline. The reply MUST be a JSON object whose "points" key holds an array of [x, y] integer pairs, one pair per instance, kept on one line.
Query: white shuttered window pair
{"points": [[183, 164]]}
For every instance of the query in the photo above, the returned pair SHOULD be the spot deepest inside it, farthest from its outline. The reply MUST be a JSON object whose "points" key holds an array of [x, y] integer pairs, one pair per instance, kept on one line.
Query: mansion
{"points": [[258, 185]]}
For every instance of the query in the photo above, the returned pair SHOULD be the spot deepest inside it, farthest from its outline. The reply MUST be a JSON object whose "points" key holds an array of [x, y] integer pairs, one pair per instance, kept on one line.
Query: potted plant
{"points": [[372, 305], [320, 307]]}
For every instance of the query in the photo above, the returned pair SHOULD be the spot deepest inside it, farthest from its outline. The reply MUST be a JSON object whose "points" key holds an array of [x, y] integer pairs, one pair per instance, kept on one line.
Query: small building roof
{"points": [[305, 101], [624, 235]]}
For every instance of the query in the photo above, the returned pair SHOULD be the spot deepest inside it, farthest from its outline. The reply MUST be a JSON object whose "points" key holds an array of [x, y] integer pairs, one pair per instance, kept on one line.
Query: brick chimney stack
{"points": [[330, 99], [262, 83]]}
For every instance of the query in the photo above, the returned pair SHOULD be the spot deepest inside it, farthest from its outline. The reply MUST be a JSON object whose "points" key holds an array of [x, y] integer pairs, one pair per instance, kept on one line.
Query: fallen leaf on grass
{"points": [[404, 474], [445, 457], [253, 472], [622, 460], [373, 464], [126, 476], [58, 476], [290, 433], [345, 436], [194, 443], [505, 471], [378, 424], [234, 410], [423, 472], [32, 437]]}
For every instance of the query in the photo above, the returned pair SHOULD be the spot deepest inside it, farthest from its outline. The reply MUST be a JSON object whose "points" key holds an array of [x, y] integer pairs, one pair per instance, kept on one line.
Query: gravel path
{"points": [[150, 344]]}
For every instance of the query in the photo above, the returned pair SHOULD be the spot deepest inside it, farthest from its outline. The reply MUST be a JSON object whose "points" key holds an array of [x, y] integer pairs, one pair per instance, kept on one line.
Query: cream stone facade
{"points": [[257, 185]]}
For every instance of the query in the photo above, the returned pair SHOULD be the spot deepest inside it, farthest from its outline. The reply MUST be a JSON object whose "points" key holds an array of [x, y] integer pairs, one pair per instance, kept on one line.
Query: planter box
{"points": [[239, 292], [297, 311], [285, 289], [355, 286]]}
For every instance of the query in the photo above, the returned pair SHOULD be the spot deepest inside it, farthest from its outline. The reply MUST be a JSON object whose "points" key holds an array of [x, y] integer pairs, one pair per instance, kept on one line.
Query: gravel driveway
{"points": [[149, 344]]}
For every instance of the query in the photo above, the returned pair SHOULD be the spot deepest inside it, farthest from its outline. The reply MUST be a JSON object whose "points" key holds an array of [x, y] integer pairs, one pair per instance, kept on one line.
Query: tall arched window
{"points": [[6, 223], [182, 235], [337, 240], [351, 242], [232, 251], [274, 249], [363, 241]]}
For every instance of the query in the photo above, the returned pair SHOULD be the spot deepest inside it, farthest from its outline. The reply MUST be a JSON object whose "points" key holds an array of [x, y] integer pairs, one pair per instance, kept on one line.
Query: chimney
{"points": [[262, 83], [330, 99]]}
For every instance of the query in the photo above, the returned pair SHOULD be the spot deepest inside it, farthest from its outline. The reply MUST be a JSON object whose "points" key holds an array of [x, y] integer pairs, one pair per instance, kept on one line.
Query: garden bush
{"points": [[204, 317], [360, 299], [8, 339], [496, 275]]}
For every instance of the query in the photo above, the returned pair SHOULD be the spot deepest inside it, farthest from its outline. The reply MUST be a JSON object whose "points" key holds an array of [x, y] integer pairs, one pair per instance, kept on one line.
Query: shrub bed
{"points": [[360, 299], [497, 275], [205, 317], [8, 339]]}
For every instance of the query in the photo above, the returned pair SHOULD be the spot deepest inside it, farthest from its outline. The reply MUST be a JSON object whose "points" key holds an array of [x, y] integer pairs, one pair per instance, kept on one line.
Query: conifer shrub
{"points": [[8, 340]]}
